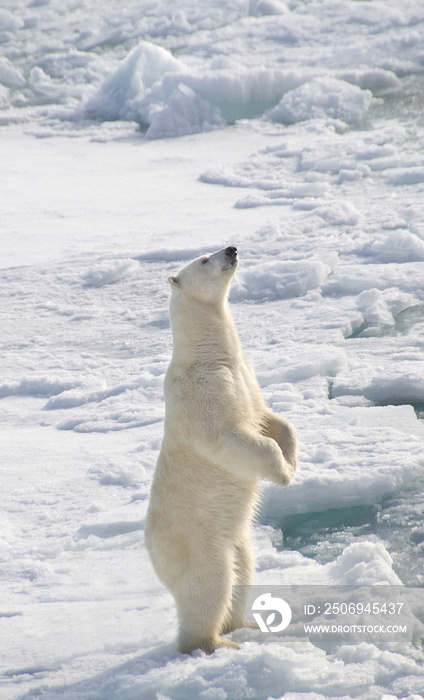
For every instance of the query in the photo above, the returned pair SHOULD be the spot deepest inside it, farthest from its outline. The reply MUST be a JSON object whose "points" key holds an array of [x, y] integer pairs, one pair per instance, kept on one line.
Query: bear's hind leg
{"points": [[202, 601], [244, 569]]}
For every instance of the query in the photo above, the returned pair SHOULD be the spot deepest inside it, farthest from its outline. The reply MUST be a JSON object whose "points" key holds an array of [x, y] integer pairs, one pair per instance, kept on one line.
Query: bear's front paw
{"points": [[282, 471], [282, 479]]}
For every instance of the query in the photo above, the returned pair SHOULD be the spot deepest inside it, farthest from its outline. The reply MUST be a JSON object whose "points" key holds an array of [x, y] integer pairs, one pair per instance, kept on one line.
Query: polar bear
{"points": [[220, 439]]}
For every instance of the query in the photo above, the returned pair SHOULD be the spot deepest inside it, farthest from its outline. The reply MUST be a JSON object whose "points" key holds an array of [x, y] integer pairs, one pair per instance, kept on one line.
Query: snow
{"points": [[280, 280], [109, 272], [134, 139], [322, 97]]}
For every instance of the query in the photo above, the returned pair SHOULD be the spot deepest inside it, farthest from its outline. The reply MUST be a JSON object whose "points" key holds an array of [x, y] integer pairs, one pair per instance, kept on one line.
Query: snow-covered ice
{"points": [[134, 137]]}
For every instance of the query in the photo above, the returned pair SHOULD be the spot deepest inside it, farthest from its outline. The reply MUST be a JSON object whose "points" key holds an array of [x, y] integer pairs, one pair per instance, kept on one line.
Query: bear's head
{"points": [[207, 279]]}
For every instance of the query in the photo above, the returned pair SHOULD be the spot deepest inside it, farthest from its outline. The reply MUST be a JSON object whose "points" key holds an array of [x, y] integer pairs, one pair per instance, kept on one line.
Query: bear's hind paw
{"points": [[230, 645], [230, 626], [207, 645]]}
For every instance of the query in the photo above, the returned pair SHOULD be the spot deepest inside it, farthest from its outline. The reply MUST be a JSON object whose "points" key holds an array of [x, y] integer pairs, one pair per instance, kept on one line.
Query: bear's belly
{"points": [[192, 494]]}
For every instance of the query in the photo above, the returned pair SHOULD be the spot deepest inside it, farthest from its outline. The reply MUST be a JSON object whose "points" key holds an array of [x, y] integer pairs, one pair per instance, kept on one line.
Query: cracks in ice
{"points": [[411, 318]]}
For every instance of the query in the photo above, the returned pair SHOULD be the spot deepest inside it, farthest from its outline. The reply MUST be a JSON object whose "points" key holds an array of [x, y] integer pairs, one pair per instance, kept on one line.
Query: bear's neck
{"points": [[203, 333]]}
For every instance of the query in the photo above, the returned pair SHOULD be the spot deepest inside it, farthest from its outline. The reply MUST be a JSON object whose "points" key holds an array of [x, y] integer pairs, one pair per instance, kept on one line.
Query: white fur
{"points": [[220, 439]]}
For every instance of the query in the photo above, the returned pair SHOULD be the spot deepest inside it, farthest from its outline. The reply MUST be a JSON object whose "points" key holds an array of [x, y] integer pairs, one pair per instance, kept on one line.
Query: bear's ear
{"points": [[174, 281]]}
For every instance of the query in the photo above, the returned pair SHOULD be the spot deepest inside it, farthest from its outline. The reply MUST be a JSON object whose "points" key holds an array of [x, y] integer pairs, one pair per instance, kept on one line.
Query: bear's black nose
{"points": [[231, 251]]}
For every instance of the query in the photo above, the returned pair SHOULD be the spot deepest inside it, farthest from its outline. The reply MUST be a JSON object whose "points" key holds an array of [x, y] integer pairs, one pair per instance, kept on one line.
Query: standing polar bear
{"points": [[220, 439]]}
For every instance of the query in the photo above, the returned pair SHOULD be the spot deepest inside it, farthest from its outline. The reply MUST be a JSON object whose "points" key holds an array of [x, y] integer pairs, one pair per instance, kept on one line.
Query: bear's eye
{"points": [[204, 261]]}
